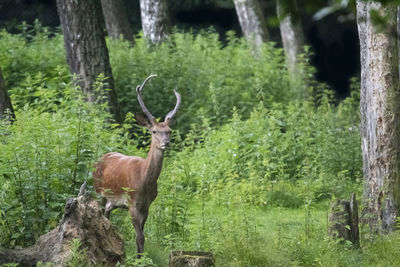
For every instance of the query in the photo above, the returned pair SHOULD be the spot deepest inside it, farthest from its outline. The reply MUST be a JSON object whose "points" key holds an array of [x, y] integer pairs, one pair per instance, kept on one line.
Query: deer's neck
{"points": [[154, 163]]}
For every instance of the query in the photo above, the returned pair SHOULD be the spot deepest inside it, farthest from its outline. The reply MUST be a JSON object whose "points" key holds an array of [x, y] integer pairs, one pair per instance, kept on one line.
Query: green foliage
{"points": [[46, 154], [9, 265], [144, 261], [29, 53], [211, 78], [78, 255], [255, 160], [292, 155], [274, 151]]}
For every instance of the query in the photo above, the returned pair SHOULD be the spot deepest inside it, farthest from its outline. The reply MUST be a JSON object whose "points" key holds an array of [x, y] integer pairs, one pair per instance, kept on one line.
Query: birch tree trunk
{"points": [[292, 37], [6, 108], [379, 108], [116, 19], [398, 36], [156, 23], [87, 53], [252, 21]]}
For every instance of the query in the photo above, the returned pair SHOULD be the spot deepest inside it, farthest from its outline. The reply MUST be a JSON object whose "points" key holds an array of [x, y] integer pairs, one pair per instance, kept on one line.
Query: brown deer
{"points": [[131, 181]]}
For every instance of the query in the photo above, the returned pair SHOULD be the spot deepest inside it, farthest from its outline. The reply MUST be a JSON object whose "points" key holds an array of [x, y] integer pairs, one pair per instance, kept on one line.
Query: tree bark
{"points": [[191, 259], [379, 108], [6, 108], [83, 220], [116, 19], [156, 23], [292, 37], [87, 53], [398, 36], [252, 22], [343, 220]]}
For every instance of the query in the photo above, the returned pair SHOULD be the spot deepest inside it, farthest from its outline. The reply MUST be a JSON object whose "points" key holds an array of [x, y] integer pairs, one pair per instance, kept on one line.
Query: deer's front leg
{"points": [[138, 219]]}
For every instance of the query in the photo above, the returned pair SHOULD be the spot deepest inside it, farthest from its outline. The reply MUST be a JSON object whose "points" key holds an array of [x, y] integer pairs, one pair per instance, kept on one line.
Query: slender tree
{"points": [[380, 121], [398, 36], [6, 108], [156, 23], [292, 34], [87, 53], [116, 19], [252, 21]]}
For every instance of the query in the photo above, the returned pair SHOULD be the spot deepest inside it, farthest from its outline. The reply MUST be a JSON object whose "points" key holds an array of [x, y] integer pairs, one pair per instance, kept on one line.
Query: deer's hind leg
{"points": [[109, 208], [111, 203]]}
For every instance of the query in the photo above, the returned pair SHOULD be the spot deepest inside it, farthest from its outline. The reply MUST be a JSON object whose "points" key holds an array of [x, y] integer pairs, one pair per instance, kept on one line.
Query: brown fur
{"points": [[132, 181], [113, 172]]}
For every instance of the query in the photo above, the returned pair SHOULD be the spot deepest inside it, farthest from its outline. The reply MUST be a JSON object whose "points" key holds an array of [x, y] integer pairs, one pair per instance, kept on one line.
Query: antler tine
{"points": [[173, 112], [139, 90]]}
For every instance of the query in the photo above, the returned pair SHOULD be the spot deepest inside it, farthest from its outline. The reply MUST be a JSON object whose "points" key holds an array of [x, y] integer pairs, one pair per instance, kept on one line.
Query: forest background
{"points": [[257, 155]]}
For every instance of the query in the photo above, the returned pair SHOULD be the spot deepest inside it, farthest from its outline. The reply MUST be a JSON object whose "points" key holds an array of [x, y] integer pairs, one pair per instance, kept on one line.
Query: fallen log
{"points": [[83, 220]]}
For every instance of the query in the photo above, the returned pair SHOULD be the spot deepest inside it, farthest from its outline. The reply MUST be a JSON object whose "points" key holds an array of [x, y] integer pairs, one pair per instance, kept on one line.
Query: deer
{"points": [[131, 181]]}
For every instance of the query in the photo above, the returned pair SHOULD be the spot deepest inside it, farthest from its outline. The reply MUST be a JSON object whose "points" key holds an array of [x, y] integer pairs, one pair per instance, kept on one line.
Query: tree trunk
{"points": [[191, 259], [87, 53], [292, 37], [116, 19], [156, 23], [6, 108], [398, 36], [343, 220], [83, 220], [252, 22], [379, 108]]}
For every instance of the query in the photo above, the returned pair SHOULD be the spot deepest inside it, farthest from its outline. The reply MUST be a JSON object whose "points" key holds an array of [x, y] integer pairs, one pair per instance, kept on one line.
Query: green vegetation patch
{"points": [[255, 161]]}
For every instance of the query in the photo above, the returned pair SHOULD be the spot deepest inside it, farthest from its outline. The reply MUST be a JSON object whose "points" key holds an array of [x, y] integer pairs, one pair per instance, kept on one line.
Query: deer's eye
{"points": [[154, 131]]}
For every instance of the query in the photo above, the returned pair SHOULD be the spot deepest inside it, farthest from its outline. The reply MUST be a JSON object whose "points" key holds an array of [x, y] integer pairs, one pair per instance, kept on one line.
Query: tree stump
{"points": [[6, 108], [82, 220], [343, 220], [191, 259]]}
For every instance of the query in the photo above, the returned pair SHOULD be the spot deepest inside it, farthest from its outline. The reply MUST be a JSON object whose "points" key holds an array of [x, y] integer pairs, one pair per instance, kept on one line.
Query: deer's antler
{"points": [[139, 90], [173, 112]]}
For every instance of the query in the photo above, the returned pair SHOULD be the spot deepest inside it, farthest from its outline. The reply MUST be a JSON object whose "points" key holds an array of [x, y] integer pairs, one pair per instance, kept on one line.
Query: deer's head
{"points": [[160, 131]]}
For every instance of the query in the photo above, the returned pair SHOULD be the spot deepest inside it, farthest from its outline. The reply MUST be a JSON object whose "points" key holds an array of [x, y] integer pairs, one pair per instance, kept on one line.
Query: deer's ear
{"points": [[143, 120]]}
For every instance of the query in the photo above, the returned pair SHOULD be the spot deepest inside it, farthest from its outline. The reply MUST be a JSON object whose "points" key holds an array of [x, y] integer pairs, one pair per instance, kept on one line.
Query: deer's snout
{"points": [[165, 143]]}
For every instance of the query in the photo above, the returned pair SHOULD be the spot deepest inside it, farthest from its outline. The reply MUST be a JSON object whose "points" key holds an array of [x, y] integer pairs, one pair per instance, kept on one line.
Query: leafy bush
{"points": [[46, 154], [35, 50], [276, 148], [211, 78]]}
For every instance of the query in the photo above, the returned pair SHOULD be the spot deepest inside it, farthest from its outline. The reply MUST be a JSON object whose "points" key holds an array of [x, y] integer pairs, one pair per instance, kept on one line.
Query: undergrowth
{"points": [[255, 161], [211, 78]]}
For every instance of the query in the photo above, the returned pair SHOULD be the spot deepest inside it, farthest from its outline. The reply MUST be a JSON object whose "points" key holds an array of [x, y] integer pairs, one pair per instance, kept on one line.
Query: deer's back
{"points": [[115, 171]]}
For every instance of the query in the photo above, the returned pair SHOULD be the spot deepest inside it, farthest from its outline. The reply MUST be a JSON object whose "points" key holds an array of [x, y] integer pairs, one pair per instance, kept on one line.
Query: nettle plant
{"points": [[210, 75], [46, 155]]}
